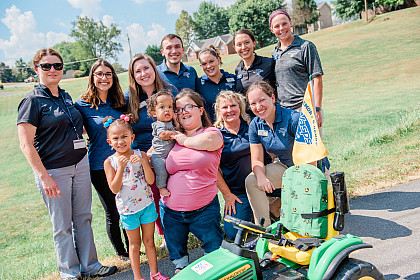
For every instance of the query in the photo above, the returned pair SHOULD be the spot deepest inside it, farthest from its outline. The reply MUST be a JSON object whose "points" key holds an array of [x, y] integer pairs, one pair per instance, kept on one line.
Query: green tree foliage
{"points": [[98, 39], [254, 15], [184, 28], [210, 20], [72, 52], [304, 12], [349, 9], [154, 52], [6, 74]]}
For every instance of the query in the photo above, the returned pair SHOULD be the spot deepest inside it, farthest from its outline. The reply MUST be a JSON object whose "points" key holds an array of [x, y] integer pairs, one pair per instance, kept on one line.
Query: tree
{"points": [[154, 52], [254, 15], [98, 39], [349, 9], [184, 28], [304, 12], [210, 20], [6, 74]]}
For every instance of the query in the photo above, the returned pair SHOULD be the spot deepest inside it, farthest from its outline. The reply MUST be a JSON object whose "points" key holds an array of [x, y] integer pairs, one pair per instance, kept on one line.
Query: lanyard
{"points": [[66, 112]]}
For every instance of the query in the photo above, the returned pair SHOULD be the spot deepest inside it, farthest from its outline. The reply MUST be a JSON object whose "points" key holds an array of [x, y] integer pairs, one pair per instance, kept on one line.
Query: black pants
{"points": [[107, 198]]}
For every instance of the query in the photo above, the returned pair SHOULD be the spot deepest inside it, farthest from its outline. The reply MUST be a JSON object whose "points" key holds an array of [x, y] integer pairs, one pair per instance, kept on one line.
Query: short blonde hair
{"points": [[230, 95]]}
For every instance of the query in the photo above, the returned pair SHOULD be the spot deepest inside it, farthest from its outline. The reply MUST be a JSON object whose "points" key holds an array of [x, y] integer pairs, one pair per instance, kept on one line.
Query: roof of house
{"points": [[320, 4], [215, 41]]}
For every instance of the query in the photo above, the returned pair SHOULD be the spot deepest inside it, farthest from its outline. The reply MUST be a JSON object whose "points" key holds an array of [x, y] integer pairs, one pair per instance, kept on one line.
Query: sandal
{"points": [[161, 277], [178, 269]]}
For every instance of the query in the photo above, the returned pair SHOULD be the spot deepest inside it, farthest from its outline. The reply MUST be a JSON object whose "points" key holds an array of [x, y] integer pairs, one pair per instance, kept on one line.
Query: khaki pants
{"points": [[257, 198]]}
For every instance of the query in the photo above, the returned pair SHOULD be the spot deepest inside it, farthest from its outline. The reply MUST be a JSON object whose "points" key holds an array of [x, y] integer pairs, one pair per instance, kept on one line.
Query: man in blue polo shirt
{"points": [[172, 70]]}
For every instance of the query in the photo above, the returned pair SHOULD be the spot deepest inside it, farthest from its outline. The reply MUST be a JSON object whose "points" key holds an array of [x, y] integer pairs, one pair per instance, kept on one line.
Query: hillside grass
{"points": [[372, 111]]}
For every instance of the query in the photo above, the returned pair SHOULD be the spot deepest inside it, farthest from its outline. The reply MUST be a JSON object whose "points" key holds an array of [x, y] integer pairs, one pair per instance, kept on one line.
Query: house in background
{"points": [[223, 43], [325, 18]]}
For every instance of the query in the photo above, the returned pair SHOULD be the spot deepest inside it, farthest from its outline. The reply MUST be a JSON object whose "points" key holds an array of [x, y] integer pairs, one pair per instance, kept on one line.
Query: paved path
{"points": [[388, 219]]}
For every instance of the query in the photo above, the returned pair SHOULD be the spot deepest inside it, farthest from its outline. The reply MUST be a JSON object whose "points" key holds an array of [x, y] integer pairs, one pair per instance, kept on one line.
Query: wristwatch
{"points": [[317, 109]]}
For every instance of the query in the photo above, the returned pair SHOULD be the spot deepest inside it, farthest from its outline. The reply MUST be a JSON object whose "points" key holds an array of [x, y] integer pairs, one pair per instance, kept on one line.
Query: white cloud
{"points": [[107, 20], [90, 8], [139, 40], [24, 40], [175, 7], [224, 3]]}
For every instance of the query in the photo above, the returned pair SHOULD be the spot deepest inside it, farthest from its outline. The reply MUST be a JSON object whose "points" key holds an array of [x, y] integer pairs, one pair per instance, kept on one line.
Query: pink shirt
{"points": [[192, 176]]}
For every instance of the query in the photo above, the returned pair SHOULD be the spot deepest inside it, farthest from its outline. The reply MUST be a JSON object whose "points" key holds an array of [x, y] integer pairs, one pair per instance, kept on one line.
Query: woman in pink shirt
{"points": [[192, 164]]}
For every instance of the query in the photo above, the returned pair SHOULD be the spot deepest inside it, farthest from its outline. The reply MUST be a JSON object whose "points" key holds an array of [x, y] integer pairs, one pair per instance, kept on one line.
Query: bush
{"points": [[79, 73], [1, 87]]}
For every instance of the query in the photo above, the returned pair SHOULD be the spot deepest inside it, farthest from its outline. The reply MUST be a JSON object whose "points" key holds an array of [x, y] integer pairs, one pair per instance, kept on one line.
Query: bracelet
{"points": [[317, 109]]}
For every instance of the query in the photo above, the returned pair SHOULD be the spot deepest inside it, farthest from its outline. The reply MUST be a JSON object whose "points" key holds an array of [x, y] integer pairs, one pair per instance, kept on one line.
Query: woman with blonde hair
{"points": [[143, 81], [235, 163]]}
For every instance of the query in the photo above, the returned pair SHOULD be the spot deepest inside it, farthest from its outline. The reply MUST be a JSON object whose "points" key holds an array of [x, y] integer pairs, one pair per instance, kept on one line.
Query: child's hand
{"points": [[137, 158], [122, 161], [167, 134], [180, 138], [164, 192]]}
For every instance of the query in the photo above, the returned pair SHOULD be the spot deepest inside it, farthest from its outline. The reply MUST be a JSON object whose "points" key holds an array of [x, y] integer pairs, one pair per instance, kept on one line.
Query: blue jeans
{"points": [[204, 223], [243, 212]]}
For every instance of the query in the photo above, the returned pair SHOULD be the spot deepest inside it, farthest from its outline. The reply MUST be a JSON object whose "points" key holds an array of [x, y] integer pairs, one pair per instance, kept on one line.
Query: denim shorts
{"points": [[144, 216]]}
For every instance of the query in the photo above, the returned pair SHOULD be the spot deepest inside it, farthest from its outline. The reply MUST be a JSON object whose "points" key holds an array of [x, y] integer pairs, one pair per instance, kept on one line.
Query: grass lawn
{"points": [[372, 111]]}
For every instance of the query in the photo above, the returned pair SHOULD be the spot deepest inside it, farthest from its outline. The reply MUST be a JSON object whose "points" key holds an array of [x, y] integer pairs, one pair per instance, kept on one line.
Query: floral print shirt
{"points": [[135, 194]]}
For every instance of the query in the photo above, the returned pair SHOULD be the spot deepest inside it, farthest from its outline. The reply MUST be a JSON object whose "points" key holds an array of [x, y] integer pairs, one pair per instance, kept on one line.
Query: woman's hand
{"points": [[230, 200], [50, 187], [264, 184], [179, 138]]}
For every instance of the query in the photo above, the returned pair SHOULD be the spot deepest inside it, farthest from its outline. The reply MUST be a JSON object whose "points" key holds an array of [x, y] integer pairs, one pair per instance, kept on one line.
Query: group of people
{"points": [[160, 152]]}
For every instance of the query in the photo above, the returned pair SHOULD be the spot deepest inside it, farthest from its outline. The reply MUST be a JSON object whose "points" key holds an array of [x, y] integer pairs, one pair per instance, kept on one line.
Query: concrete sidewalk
{"points": [[388, 219]]}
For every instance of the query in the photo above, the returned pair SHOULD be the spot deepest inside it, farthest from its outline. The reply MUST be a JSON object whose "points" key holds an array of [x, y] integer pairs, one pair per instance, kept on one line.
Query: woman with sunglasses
{"points": [[143, 81], [50, 134], [192, 165], [103, 98]]}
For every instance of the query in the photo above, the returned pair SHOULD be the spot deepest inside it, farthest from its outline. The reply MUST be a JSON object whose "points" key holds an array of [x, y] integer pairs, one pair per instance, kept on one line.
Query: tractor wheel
{"points": [[354, 269]]}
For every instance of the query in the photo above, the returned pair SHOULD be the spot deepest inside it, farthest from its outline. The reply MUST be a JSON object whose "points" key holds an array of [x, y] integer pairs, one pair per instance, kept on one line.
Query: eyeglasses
{"points": [[47, 66], [100, 75], [186, 109]]}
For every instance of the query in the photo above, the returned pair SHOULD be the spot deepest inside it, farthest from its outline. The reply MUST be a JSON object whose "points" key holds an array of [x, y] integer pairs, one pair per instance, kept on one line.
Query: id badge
{"points": [[262, 133], [79, 144]]}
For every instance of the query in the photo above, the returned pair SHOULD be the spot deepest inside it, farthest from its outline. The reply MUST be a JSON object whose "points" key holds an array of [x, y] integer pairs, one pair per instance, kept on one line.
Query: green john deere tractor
{"points": [[303, 244]]}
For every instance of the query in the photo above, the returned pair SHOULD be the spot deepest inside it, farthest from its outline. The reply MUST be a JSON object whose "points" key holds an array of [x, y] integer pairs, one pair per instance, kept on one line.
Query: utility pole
{"points": [[366, 12], [129, 46]]}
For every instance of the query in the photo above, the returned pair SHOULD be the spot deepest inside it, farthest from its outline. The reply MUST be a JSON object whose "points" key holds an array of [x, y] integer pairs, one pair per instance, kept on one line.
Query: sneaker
{"points": [[178, 269], [105, 271], [159, 275]]}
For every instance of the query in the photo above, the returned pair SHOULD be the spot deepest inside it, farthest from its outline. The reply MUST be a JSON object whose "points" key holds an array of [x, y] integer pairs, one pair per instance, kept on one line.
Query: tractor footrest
{"points": [[281, 272]]}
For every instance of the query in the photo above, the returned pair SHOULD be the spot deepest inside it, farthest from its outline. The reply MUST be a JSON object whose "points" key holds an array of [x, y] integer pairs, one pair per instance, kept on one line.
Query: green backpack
{"points": [[304, 201]]}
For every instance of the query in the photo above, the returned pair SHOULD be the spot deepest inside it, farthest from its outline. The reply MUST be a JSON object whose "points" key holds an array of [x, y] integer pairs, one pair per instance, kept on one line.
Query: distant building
{"points": [[223, 43], [325, 18]]}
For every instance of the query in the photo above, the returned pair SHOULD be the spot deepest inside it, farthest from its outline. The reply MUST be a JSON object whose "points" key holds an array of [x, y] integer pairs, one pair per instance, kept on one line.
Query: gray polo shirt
{"points": [[293, 66]]}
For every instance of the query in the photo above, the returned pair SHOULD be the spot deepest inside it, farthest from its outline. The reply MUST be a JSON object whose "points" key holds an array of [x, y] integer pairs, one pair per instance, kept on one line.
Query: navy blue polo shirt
{"points": [[186, 78], [99, 149], [54, 130], [235, 162], [261, 69], [209, 90], [278, 141]]}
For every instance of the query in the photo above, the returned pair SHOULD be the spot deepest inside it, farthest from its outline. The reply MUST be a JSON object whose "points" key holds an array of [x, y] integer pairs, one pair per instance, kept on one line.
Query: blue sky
{"points": [[28, 25]]}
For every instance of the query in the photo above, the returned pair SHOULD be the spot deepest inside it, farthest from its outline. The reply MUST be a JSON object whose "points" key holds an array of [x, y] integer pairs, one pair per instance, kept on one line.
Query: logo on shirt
{"points": [[262, 133], [230, 80], [276, 56], [230, 85], [258, 71], [186, 74], [239, 76], [202, 82], [283, 131]]}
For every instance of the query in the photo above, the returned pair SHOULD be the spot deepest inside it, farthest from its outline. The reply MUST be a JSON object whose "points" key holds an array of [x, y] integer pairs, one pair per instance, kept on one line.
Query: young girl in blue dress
{"points": [[129, 175]]}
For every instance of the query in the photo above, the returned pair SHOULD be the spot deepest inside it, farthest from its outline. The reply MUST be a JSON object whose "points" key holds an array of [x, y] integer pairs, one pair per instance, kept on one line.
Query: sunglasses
{"points": [[47, 66], [186, 109]]}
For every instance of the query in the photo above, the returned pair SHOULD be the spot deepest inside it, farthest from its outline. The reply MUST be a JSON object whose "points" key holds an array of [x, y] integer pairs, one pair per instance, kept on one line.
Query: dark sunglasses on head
{"points": [[47, 66]]}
